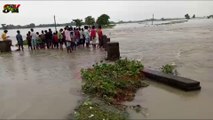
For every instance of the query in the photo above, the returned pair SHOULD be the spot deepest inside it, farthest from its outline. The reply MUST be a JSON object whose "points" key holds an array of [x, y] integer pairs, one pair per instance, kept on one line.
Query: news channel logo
{"points": [[11, 8]]}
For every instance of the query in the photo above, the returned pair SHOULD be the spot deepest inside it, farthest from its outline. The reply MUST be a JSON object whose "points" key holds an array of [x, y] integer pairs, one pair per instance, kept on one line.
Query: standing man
{"points": [[29, 38], [50, 33], [60, 37], [20, 41], [100, 37], [42, 45], [47, 39], [33, 39], [77, 36], [68, 39], [55, 39], [87, 36], [82, 37], [93, 36]]}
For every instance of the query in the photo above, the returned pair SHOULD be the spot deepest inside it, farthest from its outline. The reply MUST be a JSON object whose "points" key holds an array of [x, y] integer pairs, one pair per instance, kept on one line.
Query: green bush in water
{"points": [[113, 82], [168, 69]]}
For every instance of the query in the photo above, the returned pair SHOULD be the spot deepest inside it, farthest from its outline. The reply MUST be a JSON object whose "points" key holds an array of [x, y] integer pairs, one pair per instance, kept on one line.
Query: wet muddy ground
{"points": [[46, 84]]}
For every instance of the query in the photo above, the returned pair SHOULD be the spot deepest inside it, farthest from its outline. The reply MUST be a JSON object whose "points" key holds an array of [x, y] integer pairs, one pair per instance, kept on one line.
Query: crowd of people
{"points": [[69, 37]]}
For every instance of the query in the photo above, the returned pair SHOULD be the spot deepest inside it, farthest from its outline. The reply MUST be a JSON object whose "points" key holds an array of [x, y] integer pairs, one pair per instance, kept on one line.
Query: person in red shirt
{"points": [[100, 37], [77, 37], [93, 36], [55, 39]]}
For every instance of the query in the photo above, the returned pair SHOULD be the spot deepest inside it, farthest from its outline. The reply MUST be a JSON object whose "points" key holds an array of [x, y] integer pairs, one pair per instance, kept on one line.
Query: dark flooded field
{"points": [[46, 84]]}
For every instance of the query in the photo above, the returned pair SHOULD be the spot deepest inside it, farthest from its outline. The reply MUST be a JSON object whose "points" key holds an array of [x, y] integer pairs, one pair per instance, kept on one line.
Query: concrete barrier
{"points": [[108, 41], [104, 41], [113, 52], [174, 81], [5, 46]]}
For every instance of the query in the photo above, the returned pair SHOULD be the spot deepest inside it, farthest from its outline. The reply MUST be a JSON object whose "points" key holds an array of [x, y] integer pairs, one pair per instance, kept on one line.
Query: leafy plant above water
{"points": [[169, 69], [114, 82]]}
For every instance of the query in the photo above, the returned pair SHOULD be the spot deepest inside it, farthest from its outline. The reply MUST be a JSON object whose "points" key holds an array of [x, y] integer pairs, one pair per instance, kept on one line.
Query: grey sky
{"points": [[42, 11]]}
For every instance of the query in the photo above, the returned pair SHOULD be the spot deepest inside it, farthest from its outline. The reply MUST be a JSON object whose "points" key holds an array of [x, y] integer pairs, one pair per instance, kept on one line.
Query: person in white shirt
{"points": [[33, 41], [87, 36], [68, 39], [82, 40]]}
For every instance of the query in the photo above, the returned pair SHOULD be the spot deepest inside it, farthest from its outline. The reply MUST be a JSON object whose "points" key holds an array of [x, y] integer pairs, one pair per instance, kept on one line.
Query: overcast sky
{"points": [[41, 12]]}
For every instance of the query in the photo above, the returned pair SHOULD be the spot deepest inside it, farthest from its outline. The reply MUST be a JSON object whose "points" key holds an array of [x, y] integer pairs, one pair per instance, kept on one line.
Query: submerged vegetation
{"points": [[93, 109], [169, 69], [113, 84]]}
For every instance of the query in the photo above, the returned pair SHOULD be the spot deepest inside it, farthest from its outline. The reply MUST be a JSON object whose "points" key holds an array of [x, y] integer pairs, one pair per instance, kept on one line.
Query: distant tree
{"points": [[193, 16], [3, 26], [162, 19], [31, 25], [210, 16], [111, 22], [72, 23], [10, 26], [89, 20], [121, 21], [18, 26], [103, 20], [187, 16], [78, 22]]}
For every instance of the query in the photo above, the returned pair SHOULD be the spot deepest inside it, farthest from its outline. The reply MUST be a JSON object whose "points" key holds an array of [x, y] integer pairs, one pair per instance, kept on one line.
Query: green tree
{"points": [[103, 20], [3, 26], [89, 20], [32, 25], [193, 16], [162, 19], [78, 22], [187, 16], [210, 16]]}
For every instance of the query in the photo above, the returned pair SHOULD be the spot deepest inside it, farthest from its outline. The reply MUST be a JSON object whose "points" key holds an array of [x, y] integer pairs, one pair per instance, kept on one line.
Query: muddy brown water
{"points": [[46, 84], [34, 86]]}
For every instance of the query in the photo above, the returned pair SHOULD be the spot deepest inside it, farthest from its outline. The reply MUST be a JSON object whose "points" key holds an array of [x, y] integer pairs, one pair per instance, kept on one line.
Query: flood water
{"points": [[46, 84]]}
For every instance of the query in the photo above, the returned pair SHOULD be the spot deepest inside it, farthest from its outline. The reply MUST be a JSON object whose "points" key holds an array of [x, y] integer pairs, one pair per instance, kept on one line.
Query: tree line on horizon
{"points": [[187, 16], [102, 20]]}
